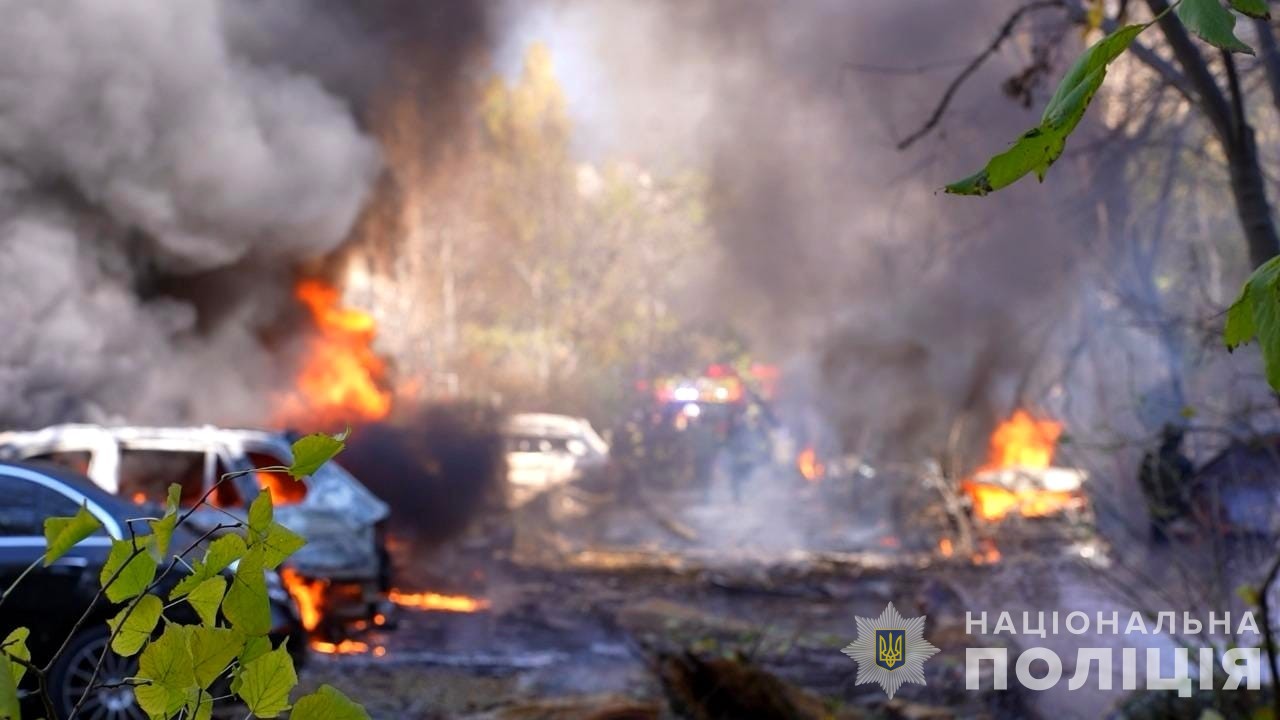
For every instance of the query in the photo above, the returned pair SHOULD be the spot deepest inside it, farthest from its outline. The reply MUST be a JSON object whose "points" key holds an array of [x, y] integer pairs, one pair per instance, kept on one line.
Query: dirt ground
{"points": [[588, 636]]}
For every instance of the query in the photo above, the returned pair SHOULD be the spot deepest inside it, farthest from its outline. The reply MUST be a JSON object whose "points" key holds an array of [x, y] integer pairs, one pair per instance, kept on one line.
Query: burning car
{"points": [[1019, 480], [339, 578], [546, 451]]}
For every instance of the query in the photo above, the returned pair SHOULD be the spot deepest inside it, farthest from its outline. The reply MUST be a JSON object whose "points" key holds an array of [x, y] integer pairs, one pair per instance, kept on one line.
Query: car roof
{"points": [[118, 507]]}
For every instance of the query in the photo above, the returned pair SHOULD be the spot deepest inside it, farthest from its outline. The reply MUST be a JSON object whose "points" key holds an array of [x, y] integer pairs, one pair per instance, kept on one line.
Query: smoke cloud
{"points": [[164, 169], [903, 310]]}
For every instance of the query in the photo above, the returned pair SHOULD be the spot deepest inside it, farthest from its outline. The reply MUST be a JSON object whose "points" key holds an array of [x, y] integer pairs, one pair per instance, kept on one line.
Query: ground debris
{"points": [[589, 707], [733, 688]]}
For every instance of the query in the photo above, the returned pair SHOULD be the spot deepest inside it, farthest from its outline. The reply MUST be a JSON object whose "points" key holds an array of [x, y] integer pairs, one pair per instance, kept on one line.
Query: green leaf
{"points": [[254, 647], [277, 544], [260, 514], [212, 650], [221, 553], [206, 598], [162, 532], [166, 666], [224, 551], [173, 499], [1097, 57], [15, 645], [10, 708], [1249, 594], [1253, 8], [1256, 315], [1213, 23], [327, 704], [139, 621], [199, 705], [312, 451], [1038, 148], [265, 683], [62, 533], [246, 604], [136, 571], [162, 529]]}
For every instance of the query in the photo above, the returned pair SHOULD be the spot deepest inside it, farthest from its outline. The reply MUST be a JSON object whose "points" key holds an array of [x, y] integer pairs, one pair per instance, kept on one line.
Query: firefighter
{"points": [[746, 448], [627, 454], [1165, 478]]}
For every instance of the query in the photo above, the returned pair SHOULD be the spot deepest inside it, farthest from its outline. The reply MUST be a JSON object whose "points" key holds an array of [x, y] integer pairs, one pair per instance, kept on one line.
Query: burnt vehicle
{"points": [[546, 451], [50, 600], [340, 578]]}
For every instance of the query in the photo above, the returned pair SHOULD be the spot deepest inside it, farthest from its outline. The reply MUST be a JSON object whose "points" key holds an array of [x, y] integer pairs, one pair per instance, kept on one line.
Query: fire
{"points": [[346, 647], [309, 595], [809, 465], [1023, 441], [342, 378], [284, 490], [1019, 442], [436, 601]]}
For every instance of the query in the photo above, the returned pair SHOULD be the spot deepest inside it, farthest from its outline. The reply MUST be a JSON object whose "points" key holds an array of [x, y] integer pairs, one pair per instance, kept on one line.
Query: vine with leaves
{"points": [[179, 663]]}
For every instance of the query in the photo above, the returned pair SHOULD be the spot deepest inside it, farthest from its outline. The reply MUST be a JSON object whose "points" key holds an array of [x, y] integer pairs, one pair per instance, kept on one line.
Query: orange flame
{"points": [[346, 647], [309, 595], [436, 601], [342, 378], [284, 490], [1019, 442], [809, 465], [1023, 441]]}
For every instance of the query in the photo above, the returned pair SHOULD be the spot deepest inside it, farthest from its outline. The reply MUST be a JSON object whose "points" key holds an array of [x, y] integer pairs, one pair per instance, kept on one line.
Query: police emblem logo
{"points": [[890, 650], [889, 644]]}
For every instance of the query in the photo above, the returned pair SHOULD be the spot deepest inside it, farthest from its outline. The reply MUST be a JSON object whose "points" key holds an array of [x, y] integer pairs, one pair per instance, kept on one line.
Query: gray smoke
{"points": [[906, 309], [164, 168]]}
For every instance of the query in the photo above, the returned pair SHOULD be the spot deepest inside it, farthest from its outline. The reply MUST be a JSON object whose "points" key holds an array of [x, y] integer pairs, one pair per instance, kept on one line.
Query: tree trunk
{"points": [[1248, 185], [1226, 114]]}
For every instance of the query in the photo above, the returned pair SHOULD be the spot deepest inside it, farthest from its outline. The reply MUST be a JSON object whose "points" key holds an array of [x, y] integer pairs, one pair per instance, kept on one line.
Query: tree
{"points": [[506, 261], [1220, 102]]}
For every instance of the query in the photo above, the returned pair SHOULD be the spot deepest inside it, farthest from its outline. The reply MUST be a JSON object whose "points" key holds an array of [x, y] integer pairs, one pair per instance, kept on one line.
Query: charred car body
{"points": [[546, 451], [50, 600], [340, 577]]}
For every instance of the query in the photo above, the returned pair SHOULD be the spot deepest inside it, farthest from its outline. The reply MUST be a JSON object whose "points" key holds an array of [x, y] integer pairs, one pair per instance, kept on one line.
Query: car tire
{"points": [[71, 673]]}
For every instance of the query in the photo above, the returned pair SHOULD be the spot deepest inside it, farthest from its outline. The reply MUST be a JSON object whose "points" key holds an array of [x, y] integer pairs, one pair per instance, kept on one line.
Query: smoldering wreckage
{"points": [[207, 222], [588, 584]]}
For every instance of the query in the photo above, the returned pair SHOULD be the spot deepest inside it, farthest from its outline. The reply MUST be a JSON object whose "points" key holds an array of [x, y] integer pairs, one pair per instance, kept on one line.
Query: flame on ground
{"points": [[436, 601], [809, 466], [1022, 441], [346, 647], [342, 378]]}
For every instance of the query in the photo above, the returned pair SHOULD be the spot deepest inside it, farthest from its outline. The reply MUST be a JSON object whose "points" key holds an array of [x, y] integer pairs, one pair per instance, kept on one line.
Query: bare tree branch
{"points": [[1005, 31]]}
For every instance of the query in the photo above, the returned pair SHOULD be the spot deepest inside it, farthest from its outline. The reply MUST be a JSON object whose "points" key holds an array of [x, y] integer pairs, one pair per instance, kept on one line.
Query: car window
{"points": [[24, 505], [537, 444], [145, 475], [73, 460], [284, 489], [226, 494]]}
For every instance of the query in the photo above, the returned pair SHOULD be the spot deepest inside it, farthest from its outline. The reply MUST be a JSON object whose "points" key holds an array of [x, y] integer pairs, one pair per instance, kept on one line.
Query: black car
{"points": [[50, 600]]}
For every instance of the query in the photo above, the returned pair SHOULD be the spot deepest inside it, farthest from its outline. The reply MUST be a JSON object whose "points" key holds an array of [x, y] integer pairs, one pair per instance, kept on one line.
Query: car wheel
{"points": [[72, 673]]}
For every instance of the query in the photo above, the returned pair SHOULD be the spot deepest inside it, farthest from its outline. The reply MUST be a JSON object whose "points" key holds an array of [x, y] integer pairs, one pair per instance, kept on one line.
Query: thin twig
{"points": [[1005, 31]]}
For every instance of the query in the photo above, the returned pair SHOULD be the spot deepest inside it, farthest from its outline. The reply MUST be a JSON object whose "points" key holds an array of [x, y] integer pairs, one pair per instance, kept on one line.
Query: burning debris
{"points": [[1019, 478]]}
